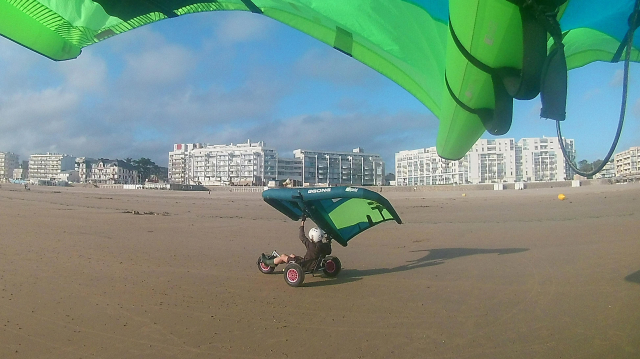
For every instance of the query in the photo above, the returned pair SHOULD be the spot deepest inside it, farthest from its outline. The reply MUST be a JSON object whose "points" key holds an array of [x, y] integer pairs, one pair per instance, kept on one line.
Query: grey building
{"points": [[8, 163], [49, 166], [323, 168], [215, 165]]}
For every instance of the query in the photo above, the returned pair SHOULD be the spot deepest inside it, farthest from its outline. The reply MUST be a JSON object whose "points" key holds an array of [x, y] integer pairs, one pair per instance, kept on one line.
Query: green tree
{"points": [[144, 166], [596, 163], [585, 166]]}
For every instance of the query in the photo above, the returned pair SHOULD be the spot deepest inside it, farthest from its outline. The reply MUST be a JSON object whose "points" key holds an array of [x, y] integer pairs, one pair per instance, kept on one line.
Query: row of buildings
{"points": [[258, 165], [505, 160], [254, 164], [488, 161], [50, 168]]}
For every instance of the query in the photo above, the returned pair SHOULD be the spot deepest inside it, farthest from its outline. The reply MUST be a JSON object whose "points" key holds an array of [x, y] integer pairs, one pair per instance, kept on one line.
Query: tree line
{"points": [[586, 166], [148, 170]]}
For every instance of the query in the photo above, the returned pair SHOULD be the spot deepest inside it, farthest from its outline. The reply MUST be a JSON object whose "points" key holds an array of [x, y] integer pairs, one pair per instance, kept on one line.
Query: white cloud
{"points": [[20, 109], [384, 134], [86, 73], [138, 39], [592, 94], [241, 27], [15, 58], [160, 66], [616, 80], [331, 65], [618, 77], [36, 121], [20, 67], [534, 110], [184, 110]]}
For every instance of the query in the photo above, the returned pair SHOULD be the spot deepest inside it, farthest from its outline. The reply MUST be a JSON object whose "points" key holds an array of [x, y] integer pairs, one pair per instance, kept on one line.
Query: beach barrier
{"points": [[247, 189]]}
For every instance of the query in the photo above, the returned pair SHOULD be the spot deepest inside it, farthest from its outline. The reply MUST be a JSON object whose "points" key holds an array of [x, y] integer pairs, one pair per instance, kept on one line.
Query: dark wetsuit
{"points": [[314, 250]]}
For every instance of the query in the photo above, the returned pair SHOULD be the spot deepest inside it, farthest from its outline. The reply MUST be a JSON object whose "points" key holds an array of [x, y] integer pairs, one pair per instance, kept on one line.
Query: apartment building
{"points": [[178, 162], [8, 163], [423, 167], [488, 161], [22, 173], [340, 168], [493, 161], [255, 164], [628, 163], [83, 166], [608, 171], [49, 166], [289, 169], [240, 164], [105, 171], [541, 159]]}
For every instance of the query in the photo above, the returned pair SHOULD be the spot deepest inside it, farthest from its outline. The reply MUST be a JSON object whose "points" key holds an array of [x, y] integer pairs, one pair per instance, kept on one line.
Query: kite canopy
{"points": [[342, 212], [448, 68]]}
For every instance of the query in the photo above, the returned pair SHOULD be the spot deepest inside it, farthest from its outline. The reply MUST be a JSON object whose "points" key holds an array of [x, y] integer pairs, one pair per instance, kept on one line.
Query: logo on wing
{"points": [[319, 190]]}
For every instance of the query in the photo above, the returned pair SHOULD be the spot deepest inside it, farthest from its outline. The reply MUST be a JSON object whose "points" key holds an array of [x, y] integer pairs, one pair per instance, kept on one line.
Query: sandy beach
{"points": [[97, 273]]}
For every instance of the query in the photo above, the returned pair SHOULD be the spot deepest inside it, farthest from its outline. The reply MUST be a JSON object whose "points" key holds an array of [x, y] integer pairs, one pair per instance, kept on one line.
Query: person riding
{"points": [[315, 249]]}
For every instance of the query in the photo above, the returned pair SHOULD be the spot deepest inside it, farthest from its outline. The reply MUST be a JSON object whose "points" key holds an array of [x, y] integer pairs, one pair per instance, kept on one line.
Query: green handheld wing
{"points": [[342, 212]]}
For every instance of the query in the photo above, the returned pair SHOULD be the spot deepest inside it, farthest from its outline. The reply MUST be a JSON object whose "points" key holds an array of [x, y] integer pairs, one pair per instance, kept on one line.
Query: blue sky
{"points": [[228, 77]]}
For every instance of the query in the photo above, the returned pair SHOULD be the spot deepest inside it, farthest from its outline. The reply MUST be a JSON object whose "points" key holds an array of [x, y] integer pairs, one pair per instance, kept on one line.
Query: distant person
{"points": [[315, 249]]}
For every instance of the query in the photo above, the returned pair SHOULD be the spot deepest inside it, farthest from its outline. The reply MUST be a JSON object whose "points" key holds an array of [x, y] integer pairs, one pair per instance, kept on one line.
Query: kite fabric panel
{"points": [[422, 45], [342, 212]]}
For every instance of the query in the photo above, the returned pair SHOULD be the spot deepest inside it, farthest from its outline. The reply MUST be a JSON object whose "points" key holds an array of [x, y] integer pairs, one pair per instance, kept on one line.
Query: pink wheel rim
{"points": [[264, 266], [330, 266], [292, 275]]}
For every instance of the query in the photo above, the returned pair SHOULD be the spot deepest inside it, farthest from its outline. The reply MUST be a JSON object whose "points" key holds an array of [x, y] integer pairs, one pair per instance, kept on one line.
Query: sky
{"points": [[229, 77]]}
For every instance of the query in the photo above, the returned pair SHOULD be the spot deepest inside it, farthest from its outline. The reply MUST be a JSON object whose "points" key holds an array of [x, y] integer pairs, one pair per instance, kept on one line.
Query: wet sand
{"points": [[493, 274]]}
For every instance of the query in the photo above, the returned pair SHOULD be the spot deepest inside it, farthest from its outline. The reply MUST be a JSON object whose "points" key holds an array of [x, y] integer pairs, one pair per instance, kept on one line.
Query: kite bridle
{"points": [[634, 23]]}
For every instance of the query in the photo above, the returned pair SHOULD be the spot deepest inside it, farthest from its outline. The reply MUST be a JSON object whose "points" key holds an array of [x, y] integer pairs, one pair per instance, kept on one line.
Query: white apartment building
{"points": [[628, 163], [105, 171], [289, 168], [18, 174], [22, 172], [49, 166], [423, 167], [83, 166], [493, 161], [254, 164], [340, 168], [178, 162], [541, 159], [488, 161], [241, 164], [8, 163], [608, 171]]}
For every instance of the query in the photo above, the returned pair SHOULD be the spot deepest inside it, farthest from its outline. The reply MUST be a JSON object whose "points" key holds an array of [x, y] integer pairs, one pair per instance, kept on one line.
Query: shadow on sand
{"points": [[433, 257], [633, 277]]}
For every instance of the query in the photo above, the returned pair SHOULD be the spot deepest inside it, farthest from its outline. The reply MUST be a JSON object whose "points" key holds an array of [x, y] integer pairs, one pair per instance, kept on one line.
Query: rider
{"points": [[315, 248]]}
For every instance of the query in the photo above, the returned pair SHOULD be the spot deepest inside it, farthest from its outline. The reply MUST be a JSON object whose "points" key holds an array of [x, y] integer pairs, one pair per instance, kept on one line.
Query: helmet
{"points": [[316, 234]]}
